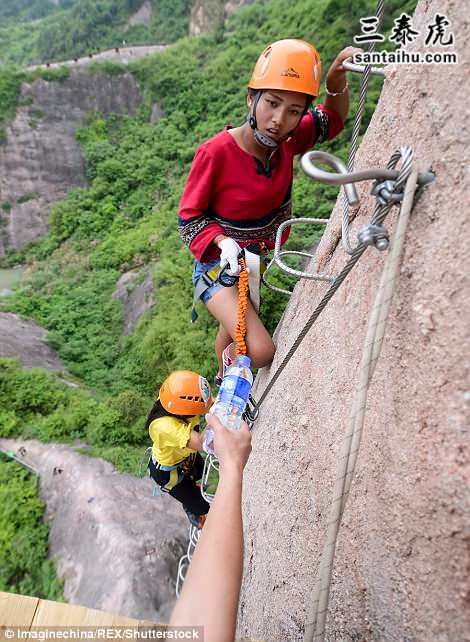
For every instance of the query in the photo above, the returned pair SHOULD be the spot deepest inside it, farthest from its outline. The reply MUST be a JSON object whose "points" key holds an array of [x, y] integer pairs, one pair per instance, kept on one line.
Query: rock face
{"points": [[41, 160], [116, 546], [401, 567], [135, 290], [208, 14], [26, 341], [142, 16]]}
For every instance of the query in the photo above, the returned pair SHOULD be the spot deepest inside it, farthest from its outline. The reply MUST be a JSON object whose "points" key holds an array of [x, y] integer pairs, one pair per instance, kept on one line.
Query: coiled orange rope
{"points": [[243, 292]]}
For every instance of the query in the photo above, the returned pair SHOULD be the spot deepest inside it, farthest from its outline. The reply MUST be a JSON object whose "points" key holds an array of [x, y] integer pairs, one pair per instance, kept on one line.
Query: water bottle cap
{"points": [[243, 360]]}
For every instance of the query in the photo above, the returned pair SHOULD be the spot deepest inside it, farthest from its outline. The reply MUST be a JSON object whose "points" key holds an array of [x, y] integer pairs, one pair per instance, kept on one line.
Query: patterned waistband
{"points": [[263, 229]]}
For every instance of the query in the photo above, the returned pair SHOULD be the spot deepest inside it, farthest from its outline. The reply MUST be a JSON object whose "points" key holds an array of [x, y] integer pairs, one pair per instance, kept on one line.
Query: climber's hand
{"points": [[337, 68], [229, 251]]}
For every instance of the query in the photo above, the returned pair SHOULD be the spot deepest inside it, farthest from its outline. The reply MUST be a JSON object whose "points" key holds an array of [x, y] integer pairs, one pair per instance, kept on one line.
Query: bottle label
{"points": [[234, 390]]}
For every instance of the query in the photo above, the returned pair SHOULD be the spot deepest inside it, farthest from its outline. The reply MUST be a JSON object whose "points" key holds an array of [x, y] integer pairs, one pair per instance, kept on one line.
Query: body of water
{"points": [[9, 278]]}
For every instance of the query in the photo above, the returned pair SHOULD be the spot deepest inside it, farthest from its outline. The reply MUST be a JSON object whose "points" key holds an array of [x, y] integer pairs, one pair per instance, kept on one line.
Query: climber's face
{"points": [[278, 112]]}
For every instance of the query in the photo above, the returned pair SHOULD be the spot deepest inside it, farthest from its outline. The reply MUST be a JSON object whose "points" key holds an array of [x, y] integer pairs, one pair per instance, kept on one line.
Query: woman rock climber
{"points": [[238, 191]]}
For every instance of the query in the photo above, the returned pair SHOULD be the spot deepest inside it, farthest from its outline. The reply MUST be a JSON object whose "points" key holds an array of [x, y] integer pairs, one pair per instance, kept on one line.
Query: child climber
{"points": [[238, 191], [173, 423]]}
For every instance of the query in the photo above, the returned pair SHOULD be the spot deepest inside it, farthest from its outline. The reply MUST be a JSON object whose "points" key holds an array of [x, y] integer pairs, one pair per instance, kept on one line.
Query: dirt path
{"points": [[124, 55], [116, 546]]}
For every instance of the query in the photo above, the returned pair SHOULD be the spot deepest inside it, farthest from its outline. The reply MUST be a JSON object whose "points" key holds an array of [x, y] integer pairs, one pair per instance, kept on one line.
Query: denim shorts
{"points": [[198, 271]]}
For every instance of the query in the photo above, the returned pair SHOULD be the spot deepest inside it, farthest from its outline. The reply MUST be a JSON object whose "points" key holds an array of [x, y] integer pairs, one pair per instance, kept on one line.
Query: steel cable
{"points": [[355, 134]]}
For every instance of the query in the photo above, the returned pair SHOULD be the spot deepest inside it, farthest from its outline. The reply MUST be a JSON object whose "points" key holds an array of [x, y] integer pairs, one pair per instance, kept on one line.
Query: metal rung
{"points": [[185, 560], [360, 69], [210, 463], [278, 253]]}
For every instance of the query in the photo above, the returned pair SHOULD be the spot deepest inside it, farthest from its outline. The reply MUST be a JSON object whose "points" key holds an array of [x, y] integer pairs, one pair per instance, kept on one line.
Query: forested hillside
{"points": [[126, 217], [32, 33], [14, 11]]}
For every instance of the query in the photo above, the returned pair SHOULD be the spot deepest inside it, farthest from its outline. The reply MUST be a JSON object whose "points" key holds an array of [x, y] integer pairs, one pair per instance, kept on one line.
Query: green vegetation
{"points": [[81, 27], [14, 11], [37, 406], [10, 84], [27, 196], [24, 567], [53, 75]]}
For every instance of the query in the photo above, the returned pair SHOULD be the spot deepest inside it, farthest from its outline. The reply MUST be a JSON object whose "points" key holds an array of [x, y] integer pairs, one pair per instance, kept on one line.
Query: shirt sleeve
{"points": [[169, 432], [197, 229], [319, 124]]}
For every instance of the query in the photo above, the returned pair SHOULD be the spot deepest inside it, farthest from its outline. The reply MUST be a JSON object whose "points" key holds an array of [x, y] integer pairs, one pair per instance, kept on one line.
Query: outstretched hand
{"points": [[232, 447]]}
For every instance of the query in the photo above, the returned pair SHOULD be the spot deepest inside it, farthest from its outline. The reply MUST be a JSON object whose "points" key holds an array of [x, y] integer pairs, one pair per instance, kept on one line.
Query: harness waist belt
{"points": [[257, 264], [163, 467]]}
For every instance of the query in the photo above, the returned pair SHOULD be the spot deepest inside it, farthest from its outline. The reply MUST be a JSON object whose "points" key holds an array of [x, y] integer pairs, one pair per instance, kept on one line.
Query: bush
{"points": [[27, 196], [24, 567]]}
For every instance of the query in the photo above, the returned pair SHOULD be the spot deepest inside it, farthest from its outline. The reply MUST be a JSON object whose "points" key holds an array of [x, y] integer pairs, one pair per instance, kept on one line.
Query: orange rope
{"points": [[243, 291]]}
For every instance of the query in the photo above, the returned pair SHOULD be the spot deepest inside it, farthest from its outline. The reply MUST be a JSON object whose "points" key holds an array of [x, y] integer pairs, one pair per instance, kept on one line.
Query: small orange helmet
{"points": [[290, 65], [185, 393]]}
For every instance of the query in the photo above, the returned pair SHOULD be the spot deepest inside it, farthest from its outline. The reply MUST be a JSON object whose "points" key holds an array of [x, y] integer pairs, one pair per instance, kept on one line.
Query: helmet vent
{"points": [[191, 398]]}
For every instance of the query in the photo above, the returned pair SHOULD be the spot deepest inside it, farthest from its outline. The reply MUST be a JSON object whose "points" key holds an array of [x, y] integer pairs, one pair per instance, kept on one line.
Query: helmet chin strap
{"points": [[260, 138]]}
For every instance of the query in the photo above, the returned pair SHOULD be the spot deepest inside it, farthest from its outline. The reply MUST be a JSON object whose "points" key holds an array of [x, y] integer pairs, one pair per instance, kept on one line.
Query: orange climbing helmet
{"points": [[185, 393], [290, 65]]}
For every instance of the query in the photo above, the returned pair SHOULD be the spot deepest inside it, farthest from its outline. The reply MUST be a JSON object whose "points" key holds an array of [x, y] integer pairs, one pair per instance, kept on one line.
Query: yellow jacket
{"points": [[170, 436]]}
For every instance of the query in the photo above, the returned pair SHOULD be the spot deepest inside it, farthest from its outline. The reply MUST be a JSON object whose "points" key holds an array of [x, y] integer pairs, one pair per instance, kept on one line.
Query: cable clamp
{"points": [[385, 192], [375, 235]]}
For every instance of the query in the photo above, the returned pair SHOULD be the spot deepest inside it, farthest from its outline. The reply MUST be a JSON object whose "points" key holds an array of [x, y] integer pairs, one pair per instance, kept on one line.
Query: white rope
{"points": [[315, 626]]}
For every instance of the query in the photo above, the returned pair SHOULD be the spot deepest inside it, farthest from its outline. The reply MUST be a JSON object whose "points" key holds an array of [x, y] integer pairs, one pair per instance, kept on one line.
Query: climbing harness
{"points": [[159, 491], [254, 256]]}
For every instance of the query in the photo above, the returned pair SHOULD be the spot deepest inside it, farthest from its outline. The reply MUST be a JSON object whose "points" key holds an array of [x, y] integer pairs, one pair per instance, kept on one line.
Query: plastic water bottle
{"points": [[232, 399]]}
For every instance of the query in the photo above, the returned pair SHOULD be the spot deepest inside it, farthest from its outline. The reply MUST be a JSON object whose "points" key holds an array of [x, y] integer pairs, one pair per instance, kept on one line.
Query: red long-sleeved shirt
{"points": [[228, 191]]}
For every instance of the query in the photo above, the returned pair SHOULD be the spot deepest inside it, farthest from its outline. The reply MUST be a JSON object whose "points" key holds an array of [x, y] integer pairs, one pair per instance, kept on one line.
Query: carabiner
{"points": [[225, 279]]}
